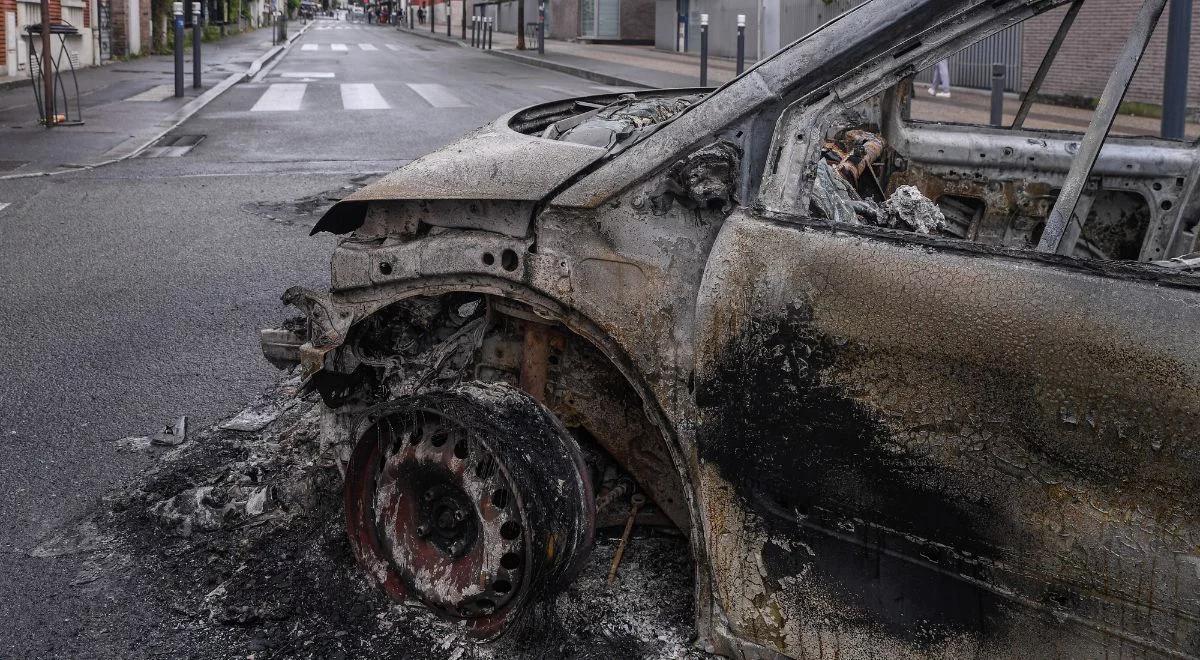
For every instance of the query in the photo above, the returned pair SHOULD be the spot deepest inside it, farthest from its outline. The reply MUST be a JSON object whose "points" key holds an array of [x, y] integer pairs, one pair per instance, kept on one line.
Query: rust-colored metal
{"points": [[863, 148], [535, 358], [635, 503], [437, 512]]}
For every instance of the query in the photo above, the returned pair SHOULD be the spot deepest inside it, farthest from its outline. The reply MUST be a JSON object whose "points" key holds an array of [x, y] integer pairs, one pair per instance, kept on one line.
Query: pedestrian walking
{"points": [[941, 78], [421, 15]]}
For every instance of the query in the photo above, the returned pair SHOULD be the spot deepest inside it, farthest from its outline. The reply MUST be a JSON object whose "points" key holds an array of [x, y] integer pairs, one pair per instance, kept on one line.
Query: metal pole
{"points": [[1175, 85], [1047, 62], [741, 43], [490, 28], [178, 10], [1102, 121], [474, 26], [449, 23], [196, 35], [542, 27], [432, 18], [47, 66], [998, 75], [704, 50]]}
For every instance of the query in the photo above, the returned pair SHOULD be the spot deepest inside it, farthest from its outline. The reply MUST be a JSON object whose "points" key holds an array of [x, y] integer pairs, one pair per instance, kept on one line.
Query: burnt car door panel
{"points": [[940, 447]]}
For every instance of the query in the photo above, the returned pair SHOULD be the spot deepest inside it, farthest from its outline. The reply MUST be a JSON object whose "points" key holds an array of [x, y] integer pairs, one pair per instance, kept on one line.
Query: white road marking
{"points": [[156, 93], [362, 96], [3, 205], [438, 96], [281, 97], [341, 47], [367, 47], [393, 47], [306, 74], [309, 47]]}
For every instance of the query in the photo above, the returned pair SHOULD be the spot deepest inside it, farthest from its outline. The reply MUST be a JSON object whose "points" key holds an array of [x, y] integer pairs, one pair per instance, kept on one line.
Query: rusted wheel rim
{"points": [[445, 509]]}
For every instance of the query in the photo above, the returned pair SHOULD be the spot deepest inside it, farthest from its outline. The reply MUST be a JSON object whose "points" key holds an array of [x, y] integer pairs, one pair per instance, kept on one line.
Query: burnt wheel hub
{"points": [[474, 501], [447, 519]]}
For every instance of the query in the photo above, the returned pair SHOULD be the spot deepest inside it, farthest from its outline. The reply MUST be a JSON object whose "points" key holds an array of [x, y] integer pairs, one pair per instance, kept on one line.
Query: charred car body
{"points": [[910, 389]]}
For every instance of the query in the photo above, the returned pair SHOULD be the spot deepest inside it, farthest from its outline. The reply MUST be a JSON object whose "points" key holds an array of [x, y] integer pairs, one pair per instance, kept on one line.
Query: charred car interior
{"points": [[909, 389]]}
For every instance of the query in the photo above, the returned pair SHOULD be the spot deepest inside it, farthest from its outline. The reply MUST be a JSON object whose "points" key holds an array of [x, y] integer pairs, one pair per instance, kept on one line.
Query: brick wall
{"points": [[637, 20], [82, 19], [6, 6], [120, 10], [1088, 54]]}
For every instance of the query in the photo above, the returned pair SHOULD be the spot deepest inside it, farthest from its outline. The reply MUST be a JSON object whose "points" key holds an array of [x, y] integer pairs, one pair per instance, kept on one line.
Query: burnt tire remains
{"points": [[473, 500]]}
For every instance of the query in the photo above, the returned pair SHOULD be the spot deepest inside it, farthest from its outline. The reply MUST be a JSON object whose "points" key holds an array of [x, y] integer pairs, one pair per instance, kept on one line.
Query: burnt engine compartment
{"points": [[605, 121]]}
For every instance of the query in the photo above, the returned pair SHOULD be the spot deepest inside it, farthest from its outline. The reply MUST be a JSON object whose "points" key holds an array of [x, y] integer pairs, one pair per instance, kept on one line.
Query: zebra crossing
{"points": [[296, 96], [346, 47]]}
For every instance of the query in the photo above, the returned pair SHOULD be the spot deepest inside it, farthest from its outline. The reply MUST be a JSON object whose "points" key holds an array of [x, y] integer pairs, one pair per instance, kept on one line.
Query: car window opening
{"points": [[1034, 190]]}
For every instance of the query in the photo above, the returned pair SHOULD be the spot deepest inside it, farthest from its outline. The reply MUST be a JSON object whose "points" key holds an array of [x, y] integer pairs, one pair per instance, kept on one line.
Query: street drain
{"points": [[173, 146]]}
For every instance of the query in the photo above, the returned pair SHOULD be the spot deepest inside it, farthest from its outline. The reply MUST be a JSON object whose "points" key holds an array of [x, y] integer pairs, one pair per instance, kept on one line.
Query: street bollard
{"points": [[177, 8], [449, 23], [474, 28], [542, 27], [741, 43], [490, 27], [998, 74], [197, 34], [432, 20], [1175, 87], [704, 50]]}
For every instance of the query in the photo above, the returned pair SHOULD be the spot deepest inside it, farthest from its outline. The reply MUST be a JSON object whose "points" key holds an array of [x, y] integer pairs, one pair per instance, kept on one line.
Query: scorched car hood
{"points": [[491, 163]]}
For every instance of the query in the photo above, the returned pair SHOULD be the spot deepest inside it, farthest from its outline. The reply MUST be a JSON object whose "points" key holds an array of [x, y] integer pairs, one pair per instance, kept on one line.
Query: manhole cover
{"points": [[172, 146]]}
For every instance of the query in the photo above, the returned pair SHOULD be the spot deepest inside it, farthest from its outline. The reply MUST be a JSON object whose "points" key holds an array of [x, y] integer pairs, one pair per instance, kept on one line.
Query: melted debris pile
{"points": [[625, 119], [236, 540], [835, 190]]}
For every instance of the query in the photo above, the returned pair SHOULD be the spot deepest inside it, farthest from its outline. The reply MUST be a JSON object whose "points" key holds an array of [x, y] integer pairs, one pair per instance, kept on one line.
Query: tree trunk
{"points": [[520, 24]]}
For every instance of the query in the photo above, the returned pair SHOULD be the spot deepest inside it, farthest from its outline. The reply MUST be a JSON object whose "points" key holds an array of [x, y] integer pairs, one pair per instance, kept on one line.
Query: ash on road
{"points": [[236, 541]]}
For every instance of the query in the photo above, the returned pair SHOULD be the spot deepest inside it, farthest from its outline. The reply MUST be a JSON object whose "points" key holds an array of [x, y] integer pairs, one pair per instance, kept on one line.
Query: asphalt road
{"points": [[133, 293]]}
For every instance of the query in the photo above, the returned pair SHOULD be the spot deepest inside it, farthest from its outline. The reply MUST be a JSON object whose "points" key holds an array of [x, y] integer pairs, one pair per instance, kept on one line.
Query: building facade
{"points": [[620, 21], [1080, 71], [106, 28], [1087, 56], [677, 23]]}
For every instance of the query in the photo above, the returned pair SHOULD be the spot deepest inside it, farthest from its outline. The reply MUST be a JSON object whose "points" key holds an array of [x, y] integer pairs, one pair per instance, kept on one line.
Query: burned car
{"points": [[909, 388]]}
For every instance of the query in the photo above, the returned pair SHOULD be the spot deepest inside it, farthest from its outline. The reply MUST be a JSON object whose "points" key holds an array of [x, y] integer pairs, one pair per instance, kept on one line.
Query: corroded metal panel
{"points": [[925, 449]]}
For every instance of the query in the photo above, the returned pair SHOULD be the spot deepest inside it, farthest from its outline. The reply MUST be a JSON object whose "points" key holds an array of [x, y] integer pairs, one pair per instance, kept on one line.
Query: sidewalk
{"points": [[618, 65], [126, 105], [645, 66]]}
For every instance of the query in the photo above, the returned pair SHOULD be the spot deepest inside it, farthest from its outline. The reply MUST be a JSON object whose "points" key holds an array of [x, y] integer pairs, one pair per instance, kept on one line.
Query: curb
{"points": [[176, 118], [13, 84], [436, 36], [579, 72]]}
